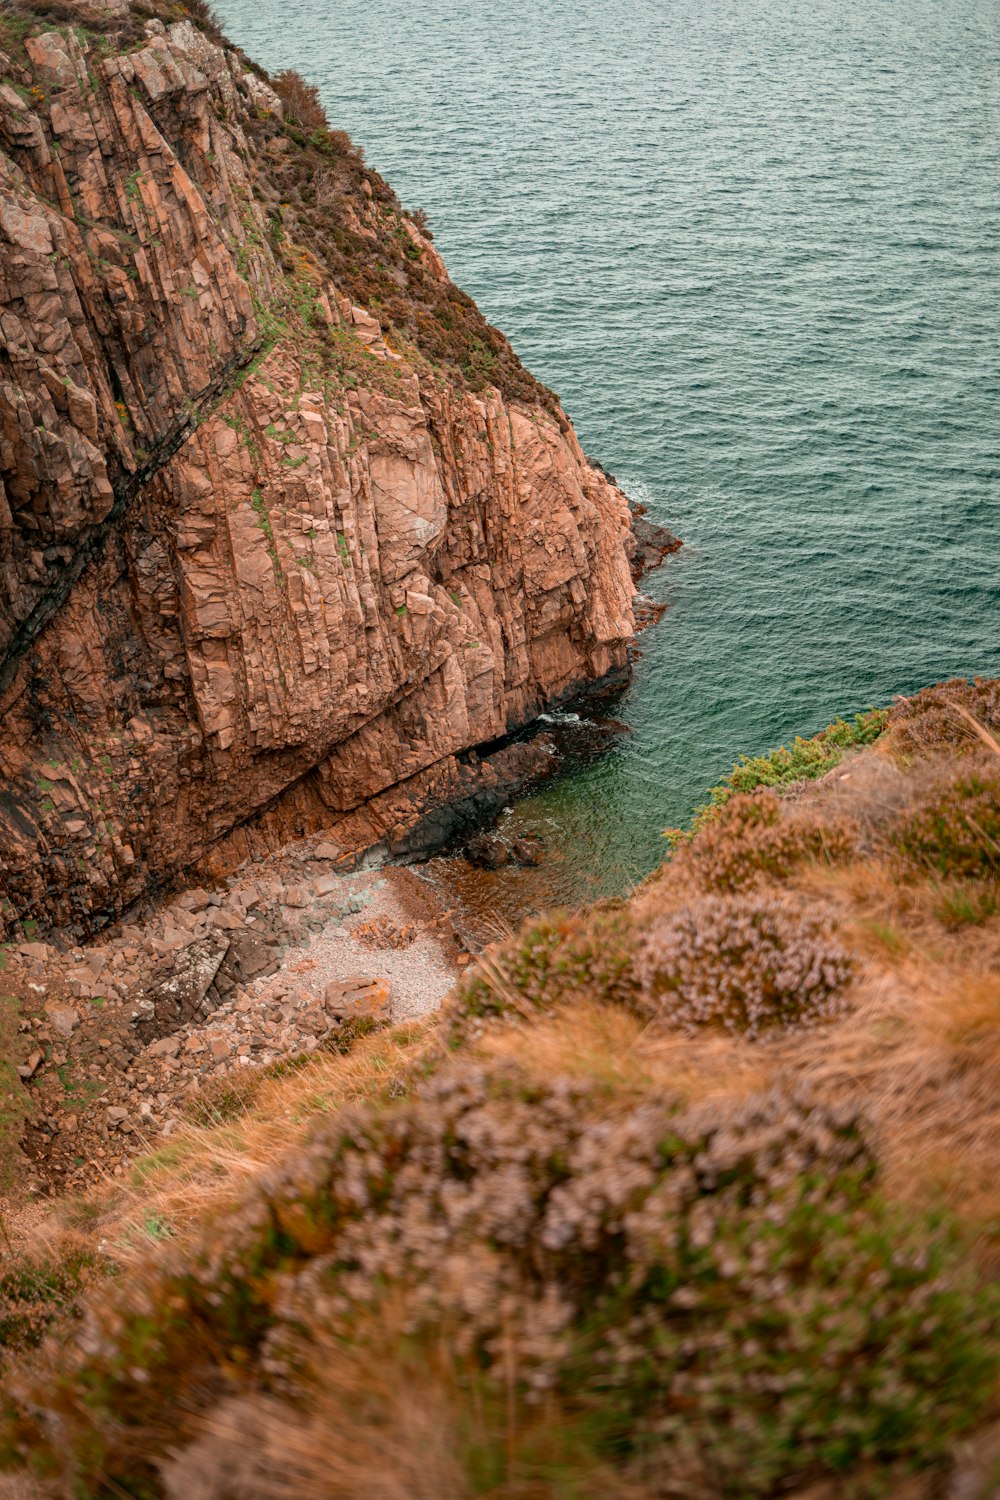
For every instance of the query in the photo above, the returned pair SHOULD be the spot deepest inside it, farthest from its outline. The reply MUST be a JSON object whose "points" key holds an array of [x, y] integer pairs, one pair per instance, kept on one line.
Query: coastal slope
{"points": [[691, 1195]]}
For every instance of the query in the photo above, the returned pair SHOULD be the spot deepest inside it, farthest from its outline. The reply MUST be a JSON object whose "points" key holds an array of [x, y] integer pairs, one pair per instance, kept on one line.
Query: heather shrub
{"points": [[786, 1343], [930, 720], [751, 837], [554, 958], [743, 963], [719, 1292], [955, 828]]}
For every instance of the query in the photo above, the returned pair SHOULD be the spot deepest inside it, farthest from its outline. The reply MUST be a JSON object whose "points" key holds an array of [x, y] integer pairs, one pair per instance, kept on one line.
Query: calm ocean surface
{"points": [[754, 246]]}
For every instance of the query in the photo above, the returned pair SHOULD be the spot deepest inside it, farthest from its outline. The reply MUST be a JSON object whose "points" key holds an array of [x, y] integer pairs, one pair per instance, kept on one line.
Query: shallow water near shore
{"points": [[754, 248]]}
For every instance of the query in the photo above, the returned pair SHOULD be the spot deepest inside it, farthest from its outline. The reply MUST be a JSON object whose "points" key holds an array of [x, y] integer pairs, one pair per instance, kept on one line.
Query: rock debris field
{"points": [[123, 1040]]}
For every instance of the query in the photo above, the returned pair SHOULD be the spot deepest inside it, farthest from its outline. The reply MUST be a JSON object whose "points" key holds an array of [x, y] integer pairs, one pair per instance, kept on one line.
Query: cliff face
{"points": [[256, 542]]}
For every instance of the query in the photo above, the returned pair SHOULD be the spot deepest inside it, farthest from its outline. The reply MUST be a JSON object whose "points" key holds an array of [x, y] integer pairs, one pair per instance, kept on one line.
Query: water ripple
{"points": [[753, 245]]}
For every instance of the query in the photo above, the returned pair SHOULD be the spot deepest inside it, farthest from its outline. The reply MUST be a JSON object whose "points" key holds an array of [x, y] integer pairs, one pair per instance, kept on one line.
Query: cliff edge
{"points": [[283, 522]]}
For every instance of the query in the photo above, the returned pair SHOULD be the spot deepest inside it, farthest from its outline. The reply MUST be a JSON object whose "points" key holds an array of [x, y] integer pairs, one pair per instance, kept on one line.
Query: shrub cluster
{"points": [[720, 1294], [955, 828], [553, 959], [753, 837], [301, 101], [744, 963], [803, 760], [930, 719]]}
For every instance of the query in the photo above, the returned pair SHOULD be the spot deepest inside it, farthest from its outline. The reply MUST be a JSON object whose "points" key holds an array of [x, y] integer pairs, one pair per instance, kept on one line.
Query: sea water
{"points": [[753, 244]]}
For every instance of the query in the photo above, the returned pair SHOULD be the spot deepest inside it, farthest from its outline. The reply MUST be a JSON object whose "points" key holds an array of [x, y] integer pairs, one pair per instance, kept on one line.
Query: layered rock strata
{"points": [[257, 551]]}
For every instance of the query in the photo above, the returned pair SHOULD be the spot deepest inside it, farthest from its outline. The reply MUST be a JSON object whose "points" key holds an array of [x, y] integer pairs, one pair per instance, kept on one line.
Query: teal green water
{"points": [[753, 244]]}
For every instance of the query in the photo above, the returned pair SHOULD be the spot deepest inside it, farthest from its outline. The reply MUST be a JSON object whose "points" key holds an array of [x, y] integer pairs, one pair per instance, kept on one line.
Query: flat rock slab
{"points": [[179, 998], [358, 997]]}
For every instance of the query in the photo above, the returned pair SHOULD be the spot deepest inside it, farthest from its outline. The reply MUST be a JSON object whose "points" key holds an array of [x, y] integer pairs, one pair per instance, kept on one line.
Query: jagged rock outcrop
{"points": [[248, 535]]}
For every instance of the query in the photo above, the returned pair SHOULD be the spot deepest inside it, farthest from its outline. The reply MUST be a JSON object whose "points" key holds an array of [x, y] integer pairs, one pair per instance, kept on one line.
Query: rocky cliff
{"points": [[262, 548]]}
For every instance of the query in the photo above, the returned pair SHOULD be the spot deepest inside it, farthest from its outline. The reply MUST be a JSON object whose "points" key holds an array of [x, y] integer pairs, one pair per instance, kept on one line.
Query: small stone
{"points": [[358, 997], [95, 961], [64, 1019], [225, 921], [167, 1046], [297, 895], [34, 950], [197, 899]]}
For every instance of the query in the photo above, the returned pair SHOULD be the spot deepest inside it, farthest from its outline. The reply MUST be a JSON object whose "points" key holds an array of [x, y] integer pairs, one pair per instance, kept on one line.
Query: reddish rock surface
{"points": [[260, 561]]}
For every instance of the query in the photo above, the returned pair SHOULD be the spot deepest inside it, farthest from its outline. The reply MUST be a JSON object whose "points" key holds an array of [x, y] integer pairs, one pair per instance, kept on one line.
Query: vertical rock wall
{"points": [[246, 537]]}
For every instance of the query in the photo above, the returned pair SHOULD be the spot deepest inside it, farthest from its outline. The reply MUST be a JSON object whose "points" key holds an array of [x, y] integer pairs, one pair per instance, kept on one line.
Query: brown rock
{"points": [[167, 1046], [181, 997], [225, 921], [64, 1019], [39, 951], [527, 850], [358, 997], [487, 851], [254, 606]]}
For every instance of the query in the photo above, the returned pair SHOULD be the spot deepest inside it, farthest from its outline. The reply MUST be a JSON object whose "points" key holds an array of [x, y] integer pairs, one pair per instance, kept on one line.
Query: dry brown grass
{"points": [[627, 1057], [422, 1422], [204, 1170], [919, 1048]]}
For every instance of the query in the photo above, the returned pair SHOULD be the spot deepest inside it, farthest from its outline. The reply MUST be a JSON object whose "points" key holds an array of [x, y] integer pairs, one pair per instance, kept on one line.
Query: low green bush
{"points": [[955, 829], [558, 957], [803, 760]]}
